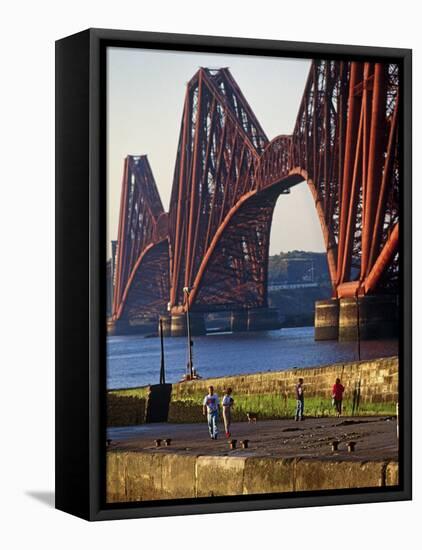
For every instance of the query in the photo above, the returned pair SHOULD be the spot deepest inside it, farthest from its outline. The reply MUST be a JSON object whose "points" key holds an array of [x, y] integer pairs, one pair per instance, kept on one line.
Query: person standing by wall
{"points": [[227, 403], [300, 401], [210, 409], [337, 394]]}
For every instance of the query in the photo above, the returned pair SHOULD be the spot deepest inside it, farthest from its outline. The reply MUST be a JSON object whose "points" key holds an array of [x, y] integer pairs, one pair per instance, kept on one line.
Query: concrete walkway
{"points": [[375, 437]]}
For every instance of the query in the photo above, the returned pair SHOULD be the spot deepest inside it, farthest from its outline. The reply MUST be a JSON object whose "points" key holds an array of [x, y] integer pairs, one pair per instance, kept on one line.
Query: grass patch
{"points": [[127, 406], [140, 393], [272, 407]]}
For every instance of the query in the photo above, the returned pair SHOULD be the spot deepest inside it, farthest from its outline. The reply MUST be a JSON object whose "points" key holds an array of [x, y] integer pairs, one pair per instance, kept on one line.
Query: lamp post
{"points": [[358, 322], [189, 369], [356, 393], [162, 367]]}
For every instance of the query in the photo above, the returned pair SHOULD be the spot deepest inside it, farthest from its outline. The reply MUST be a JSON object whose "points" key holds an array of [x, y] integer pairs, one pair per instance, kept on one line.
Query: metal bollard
{"points": [[157, 442], [233, 443], [351, 446], [245, 443], [167, 442], [334, 445]]}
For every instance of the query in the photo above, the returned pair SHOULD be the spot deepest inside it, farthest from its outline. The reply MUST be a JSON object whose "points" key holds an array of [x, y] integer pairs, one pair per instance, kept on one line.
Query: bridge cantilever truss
{"points": [[141, 281], [228, 177], [345, 145]]}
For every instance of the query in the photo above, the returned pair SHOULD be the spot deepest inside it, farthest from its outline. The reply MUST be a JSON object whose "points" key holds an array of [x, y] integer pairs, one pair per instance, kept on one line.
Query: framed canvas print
{"points": [[233, 274]]}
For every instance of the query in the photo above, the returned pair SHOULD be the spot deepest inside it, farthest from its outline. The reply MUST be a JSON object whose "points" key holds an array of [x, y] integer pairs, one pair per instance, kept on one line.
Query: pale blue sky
{"points": [[145, 93]]}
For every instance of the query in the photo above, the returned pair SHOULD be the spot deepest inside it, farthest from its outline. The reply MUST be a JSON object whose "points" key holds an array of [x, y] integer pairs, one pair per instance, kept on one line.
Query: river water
{"points": [[135, 360]]}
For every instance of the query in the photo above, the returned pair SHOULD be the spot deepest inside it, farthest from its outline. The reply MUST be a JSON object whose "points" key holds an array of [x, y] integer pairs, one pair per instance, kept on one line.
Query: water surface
{"points": [[135, 360]]}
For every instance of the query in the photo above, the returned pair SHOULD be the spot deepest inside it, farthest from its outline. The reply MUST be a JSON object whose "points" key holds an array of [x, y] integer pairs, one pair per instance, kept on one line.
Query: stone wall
{"points": [[378, 381], [271, 393], [371, 387], [125, 410], [136, 476]]}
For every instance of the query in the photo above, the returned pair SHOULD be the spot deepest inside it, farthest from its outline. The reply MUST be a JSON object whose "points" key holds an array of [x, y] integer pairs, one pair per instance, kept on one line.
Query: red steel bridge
{"points": [[210, 251]]}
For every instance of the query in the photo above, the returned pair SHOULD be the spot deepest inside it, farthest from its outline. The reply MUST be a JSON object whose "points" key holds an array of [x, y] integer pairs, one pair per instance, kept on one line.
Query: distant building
{"points": [[299, 270], [298, 267]]}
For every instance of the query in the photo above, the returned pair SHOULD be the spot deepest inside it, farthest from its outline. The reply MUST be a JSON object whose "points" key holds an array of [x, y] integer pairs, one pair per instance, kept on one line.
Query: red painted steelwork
{"points": [[142, 224], [219, 148], [355, 185], [228, 177]]}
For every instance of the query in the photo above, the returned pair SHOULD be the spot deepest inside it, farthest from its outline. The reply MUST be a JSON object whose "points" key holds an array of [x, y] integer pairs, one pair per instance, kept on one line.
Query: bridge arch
{"points": [[279, 156], [146, 292], [234, 271]]}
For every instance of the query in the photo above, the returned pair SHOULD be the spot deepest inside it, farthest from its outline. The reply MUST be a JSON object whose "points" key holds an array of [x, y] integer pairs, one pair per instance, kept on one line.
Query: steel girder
{"points": [[147, 291], [219, 148], [345, 144], [142, 225], [233, 274]]}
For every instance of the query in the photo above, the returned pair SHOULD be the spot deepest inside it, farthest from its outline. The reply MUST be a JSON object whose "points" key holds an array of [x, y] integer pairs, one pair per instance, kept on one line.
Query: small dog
{"points": [[252, 417]]}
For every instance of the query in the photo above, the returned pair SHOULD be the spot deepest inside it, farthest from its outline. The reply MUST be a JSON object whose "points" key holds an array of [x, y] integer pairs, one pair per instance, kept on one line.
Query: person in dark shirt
{"points": [[337, 395], [299, 400]]}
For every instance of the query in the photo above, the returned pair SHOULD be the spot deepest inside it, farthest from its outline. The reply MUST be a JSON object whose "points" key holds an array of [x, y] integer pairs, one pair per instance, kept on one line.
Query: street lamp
{"points": [[358, 322], [356, 393], [189, 369]]}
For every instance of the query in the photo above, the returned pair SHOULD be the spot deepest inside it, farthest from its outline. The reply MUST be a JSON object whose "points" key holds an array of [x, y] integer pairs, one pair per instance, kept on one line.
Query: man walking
{"points": [[210, 408], [299, 400]]}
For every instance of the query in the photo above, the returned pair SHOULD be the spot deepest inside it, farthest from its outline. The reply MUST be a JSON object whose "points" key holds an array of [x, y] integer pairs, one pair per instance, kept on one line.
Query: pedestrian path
{"points": [[374, 438]]}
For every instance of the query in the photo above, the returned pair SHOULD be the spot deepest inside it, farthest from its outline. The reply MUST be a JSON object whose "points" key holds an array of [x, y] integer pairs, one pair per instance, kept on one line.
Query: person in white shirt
{"points": [[227, 410], [210, 409]]}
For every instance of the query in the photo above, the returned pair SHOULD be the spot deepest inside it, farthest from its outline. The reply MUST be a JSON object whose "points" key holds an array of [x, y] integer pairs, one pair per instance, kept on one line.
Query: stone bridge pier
{"points": [[120, 327], [365, 317], [176, 324], [255, 319], [247, 320]]}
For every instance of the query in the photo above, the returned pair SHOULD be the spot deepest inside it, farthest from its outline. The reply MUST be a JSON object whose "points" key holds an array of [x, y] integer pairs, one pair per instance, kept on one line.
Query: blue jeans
{"points": [[212, 423], [299, 409]]}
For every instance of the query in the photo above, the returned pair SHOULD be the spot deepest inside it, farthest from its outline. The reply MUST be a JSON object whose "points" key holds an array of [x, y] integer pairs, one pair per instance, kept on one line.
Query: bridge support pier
{"points": [[326, 319], [263, 318], [378, 317], [138, 326], [338, 319], [166, 319], [197, 324], [239, 321]]}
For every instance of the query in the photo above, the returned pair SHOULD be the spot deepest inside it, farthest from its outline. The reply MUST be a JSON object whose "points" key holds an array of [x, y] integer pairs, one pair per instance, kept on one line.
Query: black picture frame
{"points": [[80, 280]]}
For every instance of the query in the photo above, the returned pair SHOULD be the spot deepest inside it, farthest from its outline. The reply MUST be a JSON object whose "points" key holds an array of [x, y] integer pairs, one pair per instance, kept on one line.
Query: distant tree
{"points": [[279, 270]]}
